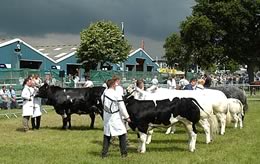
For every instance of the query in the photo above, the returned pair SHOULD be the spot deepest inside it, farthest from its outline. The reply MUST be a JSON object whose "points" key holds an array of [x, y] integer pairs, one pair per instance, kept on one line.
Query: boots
{"points": [[33, 123], [38, 122]]}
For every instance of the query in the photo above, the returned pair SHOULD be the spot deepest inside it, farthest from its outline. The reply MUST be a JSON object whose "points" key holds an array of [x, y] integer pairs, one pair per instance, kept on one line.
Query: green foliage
{"points": [[82, 145], [102, 42], [175, 52], [220, 31], [236, 27], [196, 33]]}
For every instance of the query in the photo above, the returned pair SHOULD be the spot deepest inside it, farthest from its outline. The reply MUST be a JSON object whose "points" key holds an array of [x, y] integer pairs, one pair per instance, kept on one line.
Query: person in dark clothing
{"points": [[192, 85], [208, 80]]}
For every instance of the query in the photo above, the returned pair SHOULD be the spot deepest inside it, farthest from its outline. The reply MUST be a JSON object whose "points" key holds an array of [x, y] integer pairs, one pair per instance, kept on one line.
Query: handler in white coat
{"points": [[114, 115], [36, 117], [27, 95]]}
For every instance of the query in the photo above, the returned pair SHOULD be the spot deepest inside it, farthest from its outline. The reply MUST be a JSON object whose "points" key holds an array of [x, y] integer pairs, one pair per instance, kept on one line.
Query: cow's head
{"points": [[43, 91], [130, 88]]}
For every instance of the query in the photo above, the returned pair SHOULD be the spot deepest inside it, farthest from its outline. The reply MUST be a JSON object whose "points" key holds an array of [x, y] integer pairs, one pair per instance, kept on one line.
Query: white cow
{"points": [[235, 108]]}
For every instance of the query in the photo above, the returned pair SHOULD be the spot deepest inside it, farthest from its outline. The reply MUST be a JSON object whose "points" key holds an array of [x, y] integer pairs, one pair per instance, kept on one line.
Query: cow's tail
{"points": [[241, 108], [214, 127], [196, 102], [229, 118]]}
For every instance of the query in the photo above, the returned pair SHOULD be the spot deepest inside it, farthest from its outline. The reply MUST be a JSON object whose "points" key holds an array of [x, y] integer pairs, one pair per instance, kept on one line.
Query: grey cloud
{"points": [[148, 18]]}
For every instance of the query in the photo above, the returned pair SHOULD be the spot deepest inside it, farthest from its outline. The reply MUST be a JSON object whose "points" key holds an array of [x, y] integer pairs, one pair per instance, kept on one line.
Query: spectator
{"points": [[12, 95], [76, 80], [37, 80], [191, 85], [207, 81], [154, 86], [5, 97], [88, 83], [70, 81], [171, 83], [183, 82], [155, 81], [114, 113], [27, 110], [140, 84], [200, 84]]}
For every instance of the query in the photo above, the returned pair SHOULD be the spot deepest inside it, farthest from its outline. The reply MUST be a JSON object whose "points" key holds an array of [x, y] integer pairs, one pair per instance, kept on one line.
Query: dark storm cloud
{"points": [[154, 19]]}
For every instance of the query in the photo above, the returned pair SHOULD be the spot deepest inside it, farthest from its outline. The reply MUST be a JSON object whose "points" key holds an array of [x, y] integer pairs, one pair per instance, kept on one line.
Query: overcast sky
{"points": [[50, 22]]}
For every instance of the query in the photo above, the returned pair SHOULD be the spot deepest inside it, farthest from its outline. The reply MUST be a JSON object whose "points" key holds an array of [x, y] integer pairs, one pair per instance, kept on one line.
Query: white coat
{"points": [[114, 113], [27, 95], [171, 84], [37, 107], [120, 90], [36, 104]]}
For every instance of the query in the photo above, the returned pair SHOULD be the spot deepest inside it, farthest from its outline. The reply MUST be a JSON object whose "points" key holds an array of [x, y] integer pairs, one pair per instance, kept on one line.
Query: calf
{"points": [[235, 108], [67, 101], [147, 114]]}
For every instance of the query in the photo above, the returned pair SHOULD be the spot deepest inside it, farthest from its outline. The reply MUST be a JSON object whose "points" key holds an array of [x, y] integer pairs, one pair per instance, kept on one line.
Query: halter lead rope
{"points": [[113, 101]]}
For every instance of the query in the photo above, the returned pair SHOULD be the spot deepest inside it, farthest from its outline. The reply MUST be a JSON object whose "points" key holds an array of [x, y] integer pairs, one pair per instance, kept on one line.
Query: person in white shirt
{"points": [[183, 82], [155, 81], [171, 83], [88, 83], [5, 97], [37, 108], [27, 109], [76, 80], [114, 115]]}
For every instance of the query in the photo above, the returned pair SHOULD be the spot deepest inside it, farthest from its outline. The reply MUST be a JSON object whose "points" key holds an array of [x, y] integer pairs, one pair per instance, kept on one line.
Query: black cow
{"points": [[146, 114], [67, 101]]}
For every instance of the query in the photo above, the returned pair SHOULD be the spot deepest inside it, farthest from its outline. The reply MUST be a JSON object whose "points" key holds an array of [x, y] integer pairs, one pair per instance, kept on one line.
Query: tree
{"points": [[196, 34], [221, 31], [236, 29], [102, 42], [175, 52]]}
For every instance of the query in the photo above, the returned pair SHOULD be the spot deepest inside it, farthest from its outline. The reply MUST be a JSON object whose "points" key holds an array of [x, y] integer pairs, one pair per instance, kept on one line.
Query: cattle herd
{"points": [[163, 107]]}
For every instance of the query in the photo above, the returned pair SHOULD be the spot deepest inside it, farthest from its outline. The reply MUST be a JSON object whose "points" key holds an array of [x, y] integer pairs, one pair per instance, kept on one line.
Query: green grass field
{"points": [[50, 144]]}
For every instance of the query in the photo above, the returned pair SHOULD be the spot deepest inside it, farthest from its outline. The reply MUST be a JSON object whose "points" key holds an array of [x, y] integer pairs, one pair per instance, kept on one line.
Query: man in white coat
{"points": [[114, 115], [27, 95], [36, 117]]}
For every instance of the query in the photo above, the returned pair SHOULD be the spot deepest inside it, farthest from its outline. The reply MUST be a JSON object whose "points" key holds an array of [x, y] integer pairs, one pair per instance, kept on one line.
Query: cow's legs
{"points": [[192, 136], [69, 120], [206, 126], [240, 119], [92, 116], [149, 136], [142, 142], [222, 118], [171, 130], [235, 117], [64, 121]]}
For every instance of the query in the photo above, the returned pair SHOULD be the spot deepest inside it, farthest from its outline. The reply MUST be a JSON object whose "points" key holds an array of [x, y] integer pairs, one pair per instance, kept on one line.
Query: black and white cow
{"points": [[67, 101], [147, 114]]}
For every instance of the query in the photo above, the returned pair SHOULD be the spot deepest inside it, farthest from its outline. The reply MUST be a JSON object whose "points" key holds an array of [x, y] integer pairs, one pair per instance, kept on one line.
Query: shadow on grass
{"points": [[76, 128], [20, 130], [133, 144]]}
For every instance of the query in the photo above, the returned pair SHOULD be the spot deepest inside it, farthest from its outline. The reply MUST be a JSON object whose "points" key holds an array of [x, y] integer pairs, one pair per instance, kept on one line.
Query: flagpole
{"points": [[123, 31]]}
